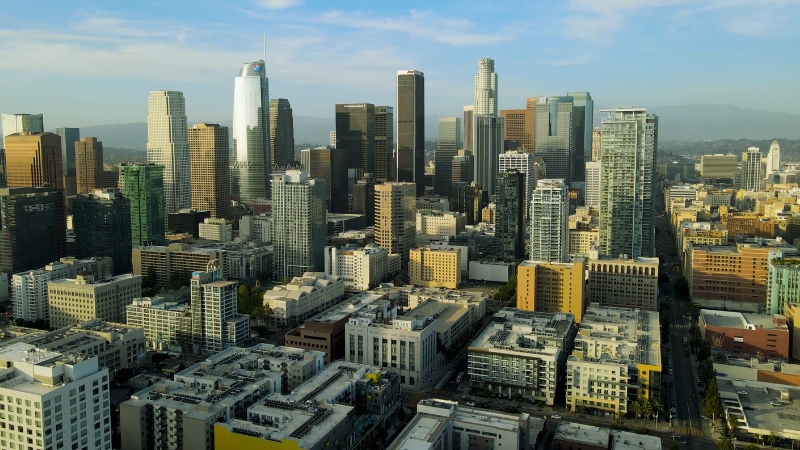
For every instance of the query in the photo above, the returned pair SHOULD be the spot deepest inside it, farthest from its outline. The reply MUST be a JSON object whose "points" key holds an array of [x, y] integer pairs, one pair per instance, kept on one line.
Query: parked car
{"points": [[741, 392], [470, 403], [556, 417]]}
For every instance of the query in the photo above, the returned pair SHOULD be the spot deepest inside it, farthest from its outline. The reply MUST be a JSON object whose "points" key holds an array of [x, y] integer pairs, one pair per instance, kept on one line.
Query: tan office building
{"points": [[519, 127], [175, 259], [439, 267], [33, 159], [395, 217], [209, 157], [88, 165], [73, 301], [552, 287], [630, 283]]}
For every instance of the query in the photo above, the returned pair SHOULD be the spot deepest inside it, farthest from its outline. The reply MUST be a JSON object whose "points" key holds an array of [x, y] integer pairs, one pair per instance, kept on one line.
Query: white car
{"points": [[470, 403], [741, 392], [556, 417], [673, 410]]}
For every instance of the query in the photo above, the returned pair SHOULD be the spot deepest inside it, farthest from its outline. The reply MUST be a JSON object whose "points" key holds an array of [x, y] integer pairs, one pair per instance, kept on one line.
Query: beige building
{"points": [[519, 127], [701, 233], [437, 223], [82, 299], [220, 230], [175, 258], [33, 159], [303, 297], [209, 160], [630, 283], [439, 267], [552, 287], [88, 165], [580, 241], [395, 213]]}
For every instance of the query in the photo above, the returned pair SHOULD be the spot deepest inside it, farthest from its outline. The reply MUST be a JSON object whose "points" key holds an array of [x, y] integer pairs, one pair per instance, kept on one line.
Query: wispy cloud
{"points": [[278, 4]]}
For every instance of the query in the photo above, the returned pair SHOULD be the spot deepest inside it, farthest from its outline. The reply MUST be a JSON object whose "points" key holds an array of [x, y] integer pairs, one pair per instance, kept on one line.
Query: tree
{"points": [[637, 408], [123, 375], [733, 422], [703, 350], [150, 278], [675, 446], [179, 279], [751, 447], [725, 444], [19, 322], [772, 439], [655, 407]]}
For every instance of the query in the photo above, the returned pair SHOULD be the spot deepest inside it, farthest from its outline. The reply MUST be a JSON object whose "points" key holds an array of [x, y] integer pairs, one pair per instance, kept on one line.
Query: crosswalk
{"points": [[687, 430], [444, 392]]}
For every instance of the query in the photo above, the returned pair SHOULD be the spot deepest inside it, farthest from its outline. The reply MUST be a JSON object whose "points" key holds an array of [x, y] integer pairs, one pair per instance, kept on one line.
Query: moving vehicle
{"points": [[556, 417], [459, 377]]}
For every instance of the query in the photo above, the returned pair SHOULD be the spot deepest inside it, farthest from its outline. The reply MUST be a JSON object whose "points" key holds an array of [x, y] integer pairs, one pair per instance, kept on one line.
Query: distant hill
{"points": [[712, 122], [125, 135]]}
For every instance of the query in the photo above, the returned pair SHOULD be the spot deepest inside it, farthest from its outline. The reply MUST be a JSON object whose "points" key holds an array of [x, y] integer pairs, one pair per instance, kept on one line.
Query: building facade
{"points": [[168, 146], [510, 220], [549, 221], [143, 185], [69, 137], [31, 218], [783, 284], [34, 160], [411, 129], [629, 283], [250, 172], [519, 129], [555, 140], [384, 144], [447, 148], [552, 287], [488, 143], [21, 123], [209, 151], [88, 154], [745, 334], [395, 214], [361, 269], [330, 164], [439, 267], [303, 297], [102, 224], [216, 230], [521, 162], [281, 132], [83, 299]]}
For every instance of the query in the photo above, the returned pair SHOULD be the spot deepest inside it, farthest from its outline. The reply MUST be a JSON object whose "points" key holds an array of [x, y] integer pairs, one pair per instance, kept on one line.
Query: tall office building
{"points": [[486, 89], [488, 147], [469, 121], [522, 162], [774, 158], [299, 224], [88, 165], [167, 146], [582, 125], [250, 175], [69, 136], [752, 170], [519, 130], [102, 224], [33, 229], [364, 199], [549, 221], [209, 151], [22, 123], [395, 218], [591, 195], [510, 221], [355, 136], [628, 154], [143, 185], [411, 128], [384, 144], [466, 198], [34, 160], [330, 164], [554, 136], [332, 139], [446, 149], [463, 170], [281, 132]]}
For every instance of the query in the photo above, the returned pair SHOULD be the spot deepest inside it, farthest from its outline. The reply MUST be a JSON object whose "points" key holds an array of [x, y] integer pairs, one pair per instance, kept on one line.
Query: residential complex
{"points": [[83, 298], [552, 287], [395, 212], [783, 284], [439, 267], [303, 297], [549, 211]]}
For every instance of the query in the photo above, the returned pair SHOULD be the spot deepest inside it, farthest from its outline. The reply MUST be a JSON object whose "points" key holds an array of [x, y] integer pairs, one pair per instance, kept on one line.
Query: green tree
{"points": [[674, 446], [772, 439], [703, 350], [150, 278], [733, 422], [655, 407], [725, 444], [751, 447], [637, 408], [179, 279]]}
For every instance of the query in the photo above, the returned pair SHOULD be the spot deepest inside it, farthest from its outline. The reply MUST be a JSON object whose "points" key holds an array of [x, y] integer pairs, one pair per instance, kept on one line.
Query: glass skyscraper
{"points": [[33, 228], [281, 132], [411, 128], [143, 185], [168, 146], [102, 223], [446, 149], [553, 136], [69, 136], [251, 140]]}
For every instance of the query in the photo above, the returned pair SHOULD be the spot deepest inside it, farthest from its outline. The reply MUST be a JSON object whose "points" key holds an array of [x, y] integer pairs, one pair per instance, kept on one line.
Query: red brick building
{"points": [[746, 334]]}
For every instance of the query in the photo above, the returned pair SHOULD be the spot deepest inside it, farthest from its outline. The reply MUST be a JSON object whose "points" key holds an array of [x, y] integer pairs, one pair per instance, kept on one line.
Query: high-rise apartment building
{"points": [[88, 153], [209, 151], [281, 132], [102, 224], [395, 217], [22, 123], [84, 298], [522, 162], [549, 221], [29, 291], [554, 136], [582, 125], [34, 160], [466, 198], [773, 160], [783, 284], [446, 149], [596, 144], [591, 193], [752, 170], [519, 128], [411, 128], [216, 322], [143, 185], [486, 89], [299, 226], [250, 174], [469, 121], [69, 136], [33, 229], [488, 144], [552, 287], [510, 218], [627, 215], [355, 136], [167, 146], [384, 144], [329, 164]]}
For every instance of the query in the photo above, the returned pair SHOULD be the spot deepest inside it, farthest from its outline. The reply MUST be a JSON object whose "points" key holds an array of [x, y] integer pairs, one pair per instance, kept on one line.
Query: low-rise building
{"points": [[82, 299], [167, 325], [433, 204], [701, 233], [581, 241], [457, 313], [216, 229], [588, 437], [626, 282], [303, 297], [439, 267], [256, 228], [761, 409], [749, 334], [437, 223], [522, 354], [361, 269], [616, 359], [491, 270]]}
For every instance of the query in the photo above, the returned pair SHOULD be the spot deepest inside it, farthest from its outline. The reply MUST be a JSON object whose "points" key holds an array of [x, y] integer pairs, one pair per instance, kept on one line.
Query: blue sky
{"points": [[86, 63]]}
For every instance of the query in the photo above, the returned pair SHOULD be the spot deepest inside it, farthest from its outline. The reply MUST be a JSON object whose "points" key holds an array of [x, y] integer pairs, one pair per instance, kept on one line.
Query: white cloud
{"points": [[278, 4]]}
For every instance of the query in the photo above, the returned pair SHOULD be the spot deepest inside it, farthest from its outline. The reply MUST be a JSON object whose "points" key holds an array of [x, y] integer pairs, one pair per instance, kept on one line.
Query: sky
{"points": [[85, 63]]}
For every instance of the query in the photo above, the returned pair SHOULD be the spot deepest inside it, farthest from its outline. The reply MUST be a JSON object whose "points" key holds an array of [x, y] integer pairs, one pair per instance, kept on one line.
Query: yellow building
{"points": [[439, 267], [792, 310], [580, 241], [552, 287]]}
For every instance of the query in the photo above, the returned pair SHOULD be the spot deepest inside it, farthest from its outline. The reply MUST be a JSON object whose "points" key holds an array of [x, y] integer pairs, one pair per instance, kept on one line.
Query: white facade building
{"points": [[216, 230], [216, 322], [256, 228], [304, 297], [82, 299], [20, 123], [440, 224], [592, 193], [486, 89], [251, 150], [549, 221], [168, 146], [523, 163], [361, 269], [773, 160], [29, 291], [752, 170]]}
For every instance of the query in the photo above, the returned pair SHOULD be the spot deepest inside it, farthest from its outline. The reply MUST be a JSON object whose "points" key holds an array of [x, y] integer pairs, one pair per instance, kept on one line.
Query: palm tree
{"points": [[656, 407], [772, 439], [637, 407], [647, 408], [733, 422]]}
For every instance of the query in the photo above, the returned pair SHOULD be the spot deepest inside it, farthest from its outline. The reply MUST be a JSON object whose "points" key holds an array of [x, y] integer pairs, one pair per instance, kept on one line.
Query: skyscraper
{"points": [[629, 145], [411, 128], [88, 154], [395, 218], [33, 227], [510, 223], [485, 89], [330, 164], [102, 223], [554, 139], [355, 136], [466, 198], [22, 123], [463, 170], [384, 144], [488, 144], [523, 163], [549, 216], [596, 144], [69, 136], [582, 125], [446, 149], [774, 158], [299, 226], [209, 151], [752, 170], [167, 146], [592, 190], [519, 131], [33, 160], [251, 139], [281, 132], [143, 185], [364, 199], [469, 122]]}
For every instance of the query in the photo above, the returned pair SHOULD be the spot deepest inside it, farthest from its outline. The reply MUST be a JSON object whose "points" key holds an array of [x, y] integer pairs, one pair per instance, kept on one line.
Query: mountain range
{"points": [[676, 123]]}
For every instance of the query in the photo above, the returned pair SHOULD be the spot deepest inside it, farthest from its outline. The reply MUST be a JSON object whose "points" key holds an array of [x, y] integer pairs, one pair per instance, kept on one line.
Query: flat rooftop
{"points": [[633, 334], [583, 434], [446, 314], [741, 321], [762, 408]]}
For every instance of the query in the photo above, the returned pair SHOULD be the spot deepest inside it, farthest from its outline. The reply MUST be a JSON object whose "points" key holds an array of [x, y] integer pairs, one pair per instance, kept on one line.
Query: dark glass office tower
{"points": [[583, 125], [466, 198], [446, 149], [143, 185], [510, 224], [364, 199], [384, 144], [69, 136], [102, 223], [330, 164], [355, 135], [281, 132], [411, 128], [33, 228]]}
